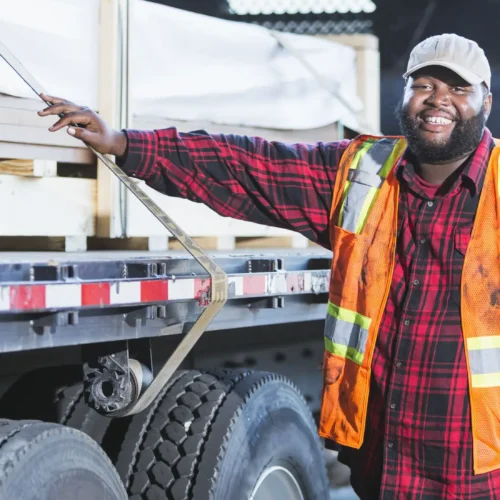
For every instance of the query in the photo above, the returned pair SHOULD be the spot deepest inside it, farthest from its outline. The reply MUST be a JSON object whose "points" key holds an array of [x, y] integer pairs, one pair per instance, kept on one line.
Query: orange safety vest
{"points": [[363, 231]]}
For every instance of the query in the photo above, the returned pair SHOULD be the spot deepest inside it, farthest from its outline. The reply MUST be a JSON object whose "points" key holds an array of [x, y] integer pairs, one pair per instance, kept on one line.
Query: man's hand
{"points": [[92, 129]]}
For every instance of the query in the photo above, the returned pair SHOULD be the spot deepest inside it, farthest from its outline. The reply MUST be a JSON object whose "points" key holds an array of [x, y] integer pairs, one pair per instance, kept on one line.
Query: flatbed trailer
{"points": [[82, 334], [86, 335]]}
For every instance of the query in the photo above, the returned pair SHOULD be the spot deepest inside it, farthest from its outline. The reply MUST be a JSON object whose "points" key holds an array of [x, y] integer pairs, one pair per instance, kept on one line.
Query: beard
{"points": [[464, 138]]}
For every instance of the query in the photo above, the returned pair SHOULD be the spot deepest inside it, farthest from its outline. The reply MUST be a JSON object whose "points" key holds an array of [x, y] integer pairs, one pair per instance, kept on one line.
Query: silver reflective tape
{"points": [[353, 205], [345, 333], [363, 178], [484, 361], [373, 160], [366, 178]]}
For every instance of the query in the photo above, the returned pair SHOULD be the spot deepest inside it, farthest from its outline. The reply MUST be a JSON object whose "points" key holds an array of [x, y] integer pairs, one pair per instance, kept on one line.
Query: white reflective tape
{"points": [[63, 296], [127, 292], [4, 298], [320, 283], [236, 285], [307, 282], [181, 289], [276, 283]]}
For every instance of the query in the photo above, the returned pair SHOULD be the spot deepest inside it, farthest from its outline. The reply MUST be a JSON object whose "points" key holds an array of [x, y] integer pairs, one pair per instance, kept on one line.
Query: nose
{"points": [[440, 97]]}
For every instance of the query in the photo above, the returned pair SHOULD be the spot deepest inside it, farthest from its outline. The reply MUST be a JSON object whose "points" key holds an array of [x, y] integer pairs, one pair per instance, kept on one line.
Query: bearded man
{"points": [[411, 391]]}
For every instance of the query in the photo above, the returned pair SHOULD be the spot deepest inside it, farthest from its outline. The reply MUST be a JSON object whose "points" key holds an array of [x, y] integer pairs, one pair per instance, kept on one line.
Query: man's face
{"points": [[441, 115]]}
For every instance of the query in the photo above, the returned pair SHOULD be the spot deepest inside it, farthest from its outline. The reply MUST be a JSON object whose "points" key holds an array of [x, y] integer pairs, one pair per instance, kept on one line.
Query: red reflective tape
{"points": [[154, 291], [295, 283], [95, 294], [27, 297], [292, 283], [254, 285], [202, 290]]}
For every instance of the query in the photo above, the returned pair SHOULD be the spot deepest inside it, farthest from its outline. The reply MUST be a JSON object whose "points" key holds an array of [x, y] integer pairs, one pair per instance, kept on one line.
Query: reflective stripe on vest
{"points": [[346, 333], [367, 172], [484, 360]]}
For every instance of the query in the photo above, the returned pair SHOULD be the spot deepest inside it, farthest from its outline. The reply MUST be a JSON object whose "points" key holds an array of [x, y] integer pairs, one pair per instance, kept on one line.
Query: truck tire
{"points": [[72, 410], [42, 461], [54, 395], [225, 436]]}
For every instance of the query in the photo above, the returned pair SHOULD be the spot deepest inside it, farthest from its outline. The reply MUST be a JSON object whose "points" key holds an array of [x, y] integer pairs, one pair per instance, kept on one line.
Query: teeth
{"points": [[438, 120]]}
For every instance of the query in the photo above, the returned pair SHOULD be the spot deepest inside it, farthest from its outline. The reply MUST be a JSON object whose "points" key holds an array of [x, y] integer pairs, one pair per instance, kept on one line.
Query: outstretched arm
{"points": [[247, 178]]}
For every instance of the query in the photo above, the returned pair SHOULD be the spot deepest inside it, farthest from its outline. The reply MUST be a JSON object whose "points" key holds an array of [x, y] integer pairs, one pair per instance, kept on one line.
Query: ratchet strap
{"points": [[218, 288]]}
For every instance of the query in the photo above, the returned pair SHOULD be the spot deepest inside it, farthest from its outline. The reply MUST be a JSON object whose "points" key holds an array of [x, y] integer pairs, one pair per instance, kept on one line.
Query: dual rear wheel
{"points": [[220, 436]]}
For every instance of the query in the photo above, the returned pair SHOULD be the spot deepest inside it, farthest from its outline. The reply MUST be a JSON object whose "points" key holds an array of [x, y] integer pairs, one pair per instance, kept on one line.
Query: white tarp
{"points": [[185, 66]]}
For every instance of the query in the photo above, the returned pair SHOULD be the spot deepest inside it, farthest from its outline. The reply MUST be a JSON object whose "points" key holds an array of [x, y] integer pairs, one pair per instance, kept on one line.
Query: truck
{"points": [[135, 364]]}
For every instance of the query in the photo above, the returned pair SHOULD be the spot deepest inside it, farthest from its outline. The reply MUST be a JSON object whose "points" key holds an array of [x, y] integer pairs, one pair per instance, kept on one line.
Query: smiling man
{"points": [[412, 335]]}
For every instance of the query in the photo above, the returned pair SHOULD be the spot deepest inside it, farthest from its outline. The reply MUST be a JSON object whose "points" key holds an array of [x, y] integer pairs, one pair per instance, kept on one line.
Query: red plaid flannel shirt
{"points": [[418, 441]]}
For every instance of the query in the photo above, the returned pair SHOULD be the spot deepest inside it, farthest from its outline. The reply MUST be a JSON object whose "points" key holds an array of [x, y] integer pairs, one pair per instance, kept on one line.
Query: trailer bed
{"points": [[50, 299]]}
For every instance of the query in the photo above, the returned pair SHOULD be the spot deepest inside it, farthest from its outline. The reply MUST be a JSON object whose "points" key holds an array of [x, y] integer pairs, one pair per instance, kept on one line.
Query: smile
{"points": [[437, 120]]}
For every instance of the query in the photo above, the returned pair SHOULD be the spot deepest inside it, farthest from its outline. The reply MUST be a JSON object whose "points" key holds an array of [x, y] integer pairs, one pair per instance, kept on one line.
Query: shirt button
{"points": [[390, 444], [430, 203], [423, 240], [407, 322], [393, 406], [416, 282], [398, 364]]}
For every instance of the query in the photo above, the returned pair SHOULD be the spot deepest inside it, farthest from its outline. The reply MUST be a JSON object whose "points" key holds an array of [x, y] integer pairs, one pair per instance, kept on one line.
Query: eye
{"points": [[459, 90], [422, 86]]}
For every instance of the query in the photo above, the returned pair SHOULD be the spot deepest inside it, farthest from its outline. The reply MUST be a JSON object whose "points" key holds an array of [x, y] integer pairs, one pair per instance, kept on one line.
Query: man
{"points": [[412, 336]]}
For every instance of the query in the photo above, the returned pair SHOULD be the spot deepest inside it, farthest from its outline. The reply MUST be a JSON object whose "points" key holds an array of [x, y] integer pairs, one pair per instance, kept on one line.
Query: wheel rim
{"points": [[277, 483]]}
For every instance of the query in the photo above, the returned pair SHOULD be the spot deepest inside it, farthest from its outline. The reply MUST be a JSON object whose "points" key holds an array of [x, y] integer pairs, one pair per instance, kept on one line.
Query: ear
{"points": [[488, 101]]}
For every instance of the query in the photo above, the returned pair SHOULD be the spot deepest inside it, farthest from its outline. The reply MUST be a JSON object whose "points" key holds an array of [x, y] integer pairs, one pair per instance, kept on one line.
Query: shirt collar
{"points": [[473, 172]]}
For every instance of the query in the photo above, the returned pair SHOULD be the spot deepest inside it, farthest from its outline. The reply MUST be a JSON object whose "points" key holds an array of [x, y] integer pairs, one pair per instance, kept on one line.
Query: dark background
{"points": [[399, 25]]}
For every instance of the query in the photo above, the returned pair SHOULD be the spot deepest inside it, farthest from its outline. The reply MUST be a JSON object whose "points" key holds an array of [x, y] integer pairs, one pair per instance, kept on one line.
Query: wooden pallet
{"points": [[53, 206], [79, 243]]}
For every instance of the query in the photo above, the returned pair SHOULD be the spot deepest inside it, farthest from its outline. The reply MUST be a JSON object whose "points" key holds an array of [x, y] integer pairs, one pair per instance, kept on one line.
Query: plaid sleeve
{"points": [[248, 178]]}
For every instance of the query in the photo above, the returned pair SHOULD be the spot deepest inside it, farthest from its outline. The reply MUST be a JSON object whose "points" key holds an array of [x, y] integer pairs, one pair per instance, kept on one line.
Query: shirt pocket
{"points": [[462, 236]]}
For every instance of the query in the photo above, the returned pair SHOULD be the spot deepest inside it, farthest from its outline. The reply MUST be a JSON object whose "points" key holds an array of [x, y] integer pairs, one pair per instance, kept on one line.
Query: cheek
{"points": [[412, 104], [468, 109]]}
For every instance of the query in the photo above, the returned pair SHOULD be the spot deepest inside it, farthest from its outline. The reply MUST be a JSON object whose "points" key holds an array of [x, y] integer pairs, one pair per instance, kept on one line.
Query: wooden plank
{"points": [[221, 243], [207, 243], [154, 244], [76, 243], [26, 135], [55, 153], [271, 242], [113, 103], [8, 101], [29, 168], [47, 206], [37, 135]]}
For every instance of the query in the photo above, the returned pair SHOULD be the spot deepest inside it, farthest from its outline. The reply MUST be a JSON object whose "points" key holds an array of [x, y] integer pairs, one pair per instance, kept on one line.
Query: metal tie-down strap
{"points": [[218, 290]]}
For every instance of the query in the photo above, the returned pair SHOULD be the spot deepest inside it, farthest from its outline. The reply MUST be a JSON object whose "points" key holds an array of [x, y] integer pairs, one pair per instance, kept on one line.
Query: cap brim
{"points": [[467, 75]]}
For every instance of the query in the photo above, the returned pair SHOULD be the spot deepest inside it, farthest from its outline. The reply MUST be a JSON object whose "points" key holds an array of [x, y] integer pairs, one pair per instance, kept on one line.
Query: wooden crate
{"points": [[45, 209]]}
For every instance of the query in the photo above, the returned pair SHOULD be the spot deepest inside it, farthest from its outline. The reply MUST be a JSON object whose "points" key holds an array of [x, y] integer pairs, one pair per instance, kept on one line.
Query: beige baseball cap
{"points": [[454, 52]]}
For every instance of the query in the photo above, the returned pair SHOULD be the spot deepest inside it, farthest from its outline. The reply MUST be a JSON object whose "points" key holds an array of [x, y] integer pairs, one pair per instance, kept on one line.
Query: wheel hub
{"points": [[277, 483]]}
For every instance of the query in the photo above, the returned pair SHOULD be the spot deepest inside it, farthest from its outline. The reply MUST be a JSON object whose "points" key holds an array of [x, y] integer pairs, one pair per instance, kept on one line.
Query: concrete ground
{"points": [[338, 474], [344, 493]]}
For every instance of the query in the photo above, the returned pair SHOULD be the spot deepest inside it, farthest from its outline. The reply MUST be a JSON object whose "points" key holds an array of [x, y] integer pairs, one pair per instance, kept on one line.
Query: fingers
{"points": [[52, 99], [72, 118], [79, 133], [61, 108]]}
